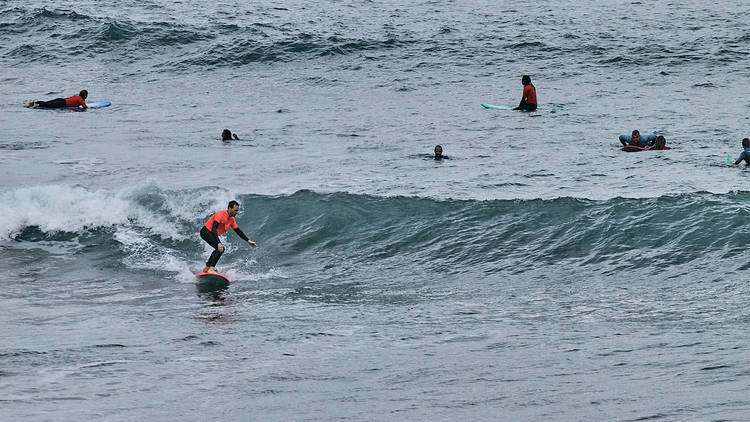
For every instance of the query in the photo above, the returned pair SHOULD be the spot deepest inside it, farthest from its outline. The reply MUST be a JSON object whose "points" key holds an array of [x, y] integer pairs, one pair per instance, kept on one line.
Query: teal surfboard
{"points": [[494, 107]]}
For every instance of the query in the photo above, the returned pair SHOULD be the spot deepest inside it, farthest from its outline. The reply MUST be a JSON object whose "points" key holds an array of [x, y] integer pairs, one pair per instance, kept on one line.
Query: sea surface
{"points": [[539, 273]]}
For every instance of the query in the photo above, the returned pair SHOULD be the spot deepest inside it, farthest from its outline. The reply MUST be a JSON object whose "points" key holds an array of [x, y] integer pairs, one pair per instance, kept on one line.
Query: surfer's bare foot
{"points": [[211, 270], [205, 269], [28, 105]]}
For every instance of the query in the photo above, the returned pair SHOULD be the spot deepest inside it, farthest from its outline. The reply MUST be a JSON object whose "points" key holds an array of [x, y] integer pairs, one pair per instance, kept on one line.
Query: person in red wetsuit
{"points": [[528, 100], [74, 101], [216, 225]]}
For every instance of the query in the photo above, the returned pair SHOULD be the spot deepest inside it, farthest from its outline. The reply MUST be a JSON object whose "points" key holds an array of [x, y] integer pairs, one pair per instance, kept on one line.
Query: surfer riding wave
{"points": [[216, 225]]}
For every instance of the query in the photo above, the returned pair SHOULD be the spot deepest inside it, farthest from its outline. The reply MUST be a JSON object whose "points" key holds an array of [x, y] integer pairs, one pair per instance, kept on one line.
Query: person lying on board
{"points": [[73, 101], [745, 155], [637, 140], [216, 225], [528, 98], [227, 135]]}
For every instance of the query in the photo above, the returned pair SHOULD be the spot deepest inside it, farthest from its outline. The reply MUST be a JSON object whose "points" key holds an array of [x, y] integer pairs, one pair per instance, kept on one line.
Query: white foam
{"points": [[57, 208], [75, 209]]}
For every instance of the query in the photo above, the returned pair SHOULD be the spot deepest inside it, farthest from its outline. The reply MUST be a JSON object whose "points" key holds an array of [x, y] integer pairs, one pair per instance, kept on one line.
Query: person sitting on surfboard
{"points": [[528, 99], [226, 135], [745, 155], [73, 101], [637, 140], [216, 225]]}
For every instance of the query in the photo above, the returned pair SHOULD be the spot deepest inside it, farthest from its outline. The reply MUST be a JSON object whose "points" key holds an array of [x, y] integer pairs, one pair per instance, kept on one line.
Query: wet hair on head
{"points": [[83, 94], [232, 203], [635, 132], [526, 79], [226, 134], [746, 143], [659, 143]]}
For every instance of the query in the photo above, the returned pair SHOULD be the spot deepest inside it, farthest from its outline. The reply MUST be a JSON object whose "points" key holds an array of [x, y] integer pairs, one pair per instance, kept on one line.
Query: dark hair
{"points": [[635, 132], [83, 94], [232, 203], [226, 135], [526, 79], [746, 143], [659, 143]]}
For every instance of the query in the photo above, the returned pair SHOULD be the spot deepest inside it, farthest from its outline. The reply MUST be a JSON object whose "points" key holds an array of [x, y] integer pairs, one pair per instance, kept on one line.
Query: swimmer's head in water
{"points": [[526, 79], [659, 143], [226, 135], [746, 143], [83, 94], [438, 151]]}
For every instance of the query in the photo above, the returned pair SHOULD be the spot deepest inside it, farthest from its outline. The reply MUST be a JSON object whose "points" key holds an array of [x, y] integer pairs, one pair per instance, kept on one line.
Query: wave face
{"points": [[336, 231]]}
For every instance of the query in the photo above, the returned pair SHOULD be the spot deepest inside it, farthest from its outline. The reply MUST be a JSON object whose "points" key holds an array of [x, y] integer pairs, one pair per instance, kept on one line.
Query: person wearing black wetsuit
{"points": [[745, 153], [528, 99], [216, 225], [72, 102]]}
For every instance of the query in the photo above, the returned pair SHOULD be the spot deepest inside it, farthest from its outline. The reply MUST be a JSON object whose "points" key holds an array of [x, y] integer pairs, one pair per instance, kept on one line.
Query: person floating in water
{"points": [[74, 101], [227, 135], [220, 222], [659, 144], [528, 100], [439, 153], [637, 140], [745, 155]]}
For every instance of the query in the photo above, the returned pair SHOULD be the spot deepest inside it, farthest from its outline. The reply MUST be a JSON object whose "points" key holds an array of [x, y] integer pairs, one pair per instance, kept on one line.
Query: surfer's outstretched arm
{"points": [[242, 236]]}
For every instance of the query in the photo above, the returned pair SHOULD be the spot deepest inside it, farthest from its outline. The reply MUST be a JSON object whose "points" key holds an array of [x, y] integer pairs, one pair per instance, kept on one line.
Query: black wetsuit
{"points": [[528, 101], [744, 156], [212, 239], [56, 103], [526, 107]]}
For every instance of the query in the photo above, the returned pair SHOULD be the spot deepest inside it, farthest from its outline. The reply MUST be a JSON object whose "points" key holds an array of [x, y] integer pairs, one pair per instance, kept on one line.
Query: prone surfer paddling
{"points": [[72, 101], [528, 99], [216, 225], [636, 140]]}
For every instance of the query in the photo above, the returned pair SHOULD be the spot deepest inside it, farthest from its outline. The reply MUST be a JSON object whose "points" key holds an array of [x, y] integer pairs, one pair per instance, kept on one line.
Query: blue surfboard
{"points": [[99, 104]]}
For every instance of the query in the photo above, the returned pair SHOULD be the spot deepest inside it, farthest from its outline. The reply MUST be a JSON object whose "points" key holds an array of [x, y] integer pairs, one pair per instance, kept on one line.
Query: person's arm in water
{"points": [[739, 160], [214, 229], [244, 237], [626, 140]]}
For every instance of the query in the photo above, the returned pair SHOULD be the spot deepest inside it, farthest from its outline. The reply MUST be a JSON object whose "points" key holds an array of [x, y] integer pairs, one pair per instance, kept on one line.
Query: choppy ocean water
{"points": [[539, 273]]}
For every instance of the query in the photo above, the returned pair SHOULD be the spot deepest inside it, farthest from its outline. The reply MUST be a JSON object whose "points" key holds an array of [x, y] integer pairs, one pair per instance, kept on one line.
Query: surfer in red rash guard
{"points": [[220, 222], [73, 101], [528, 100]]}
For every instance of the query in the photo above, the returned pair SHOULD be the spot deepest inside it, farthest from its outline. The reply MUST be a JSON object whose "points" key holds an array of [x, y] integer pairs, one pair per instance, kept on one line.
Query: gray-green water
{"points": [[537, 274]]}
